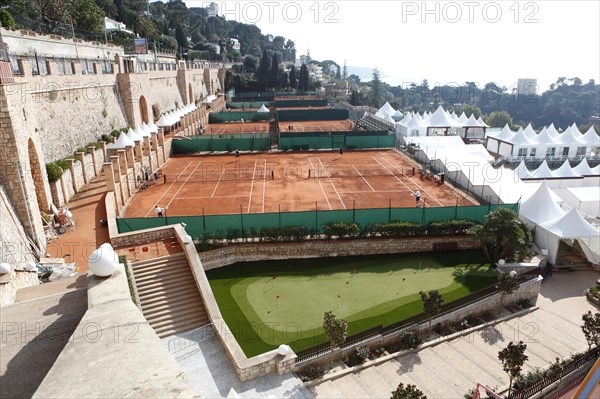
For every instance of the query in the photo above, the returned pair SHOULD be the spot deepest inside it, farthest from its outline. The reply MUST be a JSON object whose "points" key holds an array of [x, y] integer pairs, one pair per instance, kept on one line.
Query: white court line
{"points": [[216, 196], [424, 190], [217, 185], [167, 190], [183, 184], [360, 174], [264, 186], [370, 192], [252, 186], [317, 176], [333, 185]]}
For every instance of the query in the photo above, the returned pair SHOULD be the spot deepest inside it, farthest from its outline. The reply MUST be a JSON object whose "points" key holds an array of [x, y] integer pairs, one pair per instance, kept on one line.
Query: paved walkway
{"points": [[88, 209], [201, 356], [449, 369]]}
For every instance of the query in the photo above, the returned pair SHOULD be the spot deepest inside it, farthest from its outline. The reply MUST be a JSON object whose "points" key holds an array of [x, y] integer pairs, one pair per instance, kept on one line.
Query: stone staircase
{"points": [[566, 259], [169, 297]]}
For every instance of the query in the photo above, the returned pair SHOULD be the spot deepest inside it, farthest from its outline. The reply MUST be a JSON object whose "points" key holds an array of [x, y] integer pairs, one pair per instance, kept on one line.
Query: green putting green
{"points": [[269, 303]]}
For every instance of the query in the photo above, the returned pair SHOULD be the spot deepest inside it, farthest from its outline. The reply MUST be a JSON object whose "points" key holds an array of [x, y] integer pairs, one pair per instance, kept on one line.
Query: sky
{"points": [[444, 42]]}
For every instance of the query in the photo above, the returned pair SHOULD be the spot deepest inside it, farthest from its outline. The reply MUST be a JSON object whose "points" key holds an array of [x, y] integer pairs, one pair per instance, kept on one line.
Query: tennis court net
{"points": [[358, 171]]}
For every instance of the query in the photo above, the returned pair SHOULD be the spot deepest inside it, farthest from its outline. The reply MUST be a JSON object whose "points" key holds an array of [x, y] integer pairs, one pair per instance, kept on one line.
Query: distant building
{"points": [[212, 10], [110, 25], [315, 72], [236, 44], [527, 87]]}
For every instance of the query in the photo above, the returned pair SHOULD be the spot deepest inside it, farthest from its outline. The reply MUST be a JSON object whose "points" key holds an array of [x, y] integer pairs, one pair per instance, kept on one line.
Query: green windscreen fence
{"points": [[332, 140], [252, 96], [248, 104], [222, 117], [222, 142], [300, 103], [301, 115], [252, 223]]}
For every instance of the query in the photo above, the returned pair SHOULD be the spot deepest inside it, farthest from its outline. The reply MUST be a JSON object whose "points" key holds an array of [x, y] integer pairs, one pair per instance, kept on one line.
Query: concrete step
{"points": [[190, 309], [169, 291], [171, 309], [167, 281], [177, 328], [160, 259], [189, 317], [161, 296], [160, 274]]}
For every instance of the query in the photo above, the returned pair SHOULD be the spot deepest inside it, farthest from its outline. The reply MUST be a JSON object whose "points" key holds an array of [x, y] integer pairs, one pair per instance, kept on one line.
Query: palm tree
{"points": [[505, 234]]}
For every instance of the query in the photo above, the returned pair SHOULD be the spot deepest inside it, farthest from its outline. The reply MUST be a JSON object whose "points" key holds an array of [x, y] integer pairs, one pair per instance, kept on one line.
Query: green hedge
{"points": [[448, 227], [54, 171]]}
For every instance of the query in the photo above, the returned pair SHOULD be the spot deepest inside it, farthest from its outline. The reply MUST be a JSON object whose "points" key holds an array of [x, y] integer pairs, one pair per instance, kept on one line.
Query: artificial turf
{"points": [[269, 303]]}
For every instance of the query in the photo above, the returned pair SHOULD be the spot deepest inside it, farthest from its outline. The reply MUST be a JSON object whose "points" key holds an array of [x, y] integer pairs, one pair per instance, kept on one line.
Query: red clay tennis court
{"points": [[237, 128], [315, 126], [271, 182]]}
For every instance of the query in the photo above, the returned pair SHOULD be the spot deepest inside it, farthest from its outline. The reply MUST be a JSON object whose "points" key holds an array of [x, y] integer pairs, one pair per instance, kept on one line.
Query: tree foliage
{"points": [[591, 328], [407, 391], [303, 80], [432, 304], [6, 19], [503, 236], [513, 358], [335, 329]]}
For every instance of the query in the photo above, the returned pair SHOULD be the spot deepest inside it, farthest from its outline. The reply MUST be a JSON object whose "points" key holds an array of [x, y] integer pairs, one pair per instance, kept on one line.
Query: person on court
{"points": [[237, 154], [418, 197], [341, 151], [159, 211]]}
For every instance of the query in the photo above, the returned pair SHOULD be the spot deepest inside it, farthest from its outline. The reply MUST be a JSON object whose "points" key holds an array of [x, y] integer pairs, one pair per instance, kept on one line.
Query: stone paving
{"points": [[201, 356], [449, 369]]}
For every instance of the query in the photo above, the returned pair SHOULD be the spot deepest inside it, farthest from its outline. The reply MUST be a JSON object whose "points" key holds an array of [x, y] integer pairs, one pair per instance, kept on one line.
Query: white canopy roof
{"points": [[388, 118], [529, 132], [406, 119], [153, 128], [522, 170], [122, 142], [210, 99], [263, 109], [591, 138], [544, 138], [596, 170], [462, 118], [583, 169], [521, 138], [565, 171], [569, 137], [570, 225], [414, 123], [471, 122], [133, 135], [140, 132], [541, 206], [552, 131], [481, 122], [585, 194], [387, 109], [505, 134], [543, 172], [397, 114], [440, 118]]}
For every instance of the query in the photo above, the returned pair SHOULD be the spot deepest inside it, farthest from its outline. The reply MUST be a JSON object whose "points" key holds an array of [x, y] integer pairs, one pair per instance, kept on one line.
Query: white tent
{"points": [[406, 119], [522, 170], [153, 128], [209, 99], [584, 199], [471, 122], [397, 116], [583, 168], [413, 128], [543, 172], [263, 110], [540, 207], [141, 132], [565, 171], [591, 139], [529, 132], [481, 122], [441, 119], [462, 118], [388, 118], [122, 142], [387, 109], [570, 226]]}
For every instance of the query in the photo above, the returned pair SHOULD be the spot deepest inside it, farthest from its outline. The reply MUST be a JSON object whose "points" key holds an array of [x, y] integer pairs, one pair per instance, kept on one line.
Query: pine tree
{"points": [[262, 72], [303, 81], [274, 72], [376, 86], [293, 78]]}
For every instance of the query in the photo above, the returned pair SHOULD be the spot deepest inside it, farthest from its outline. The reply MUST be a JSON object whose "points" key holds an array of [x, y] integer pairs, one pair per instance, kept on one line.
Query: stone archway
{"points": [[144, 109], [36, 174], [190, 94]]}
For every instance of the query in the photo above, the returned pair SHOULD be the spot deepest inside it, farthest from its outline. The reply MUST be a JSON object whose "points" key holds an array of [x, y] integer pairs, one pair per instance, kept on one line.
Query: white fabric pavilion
{"points": [[540, 207], [122, 142], [569, 227], [263, 110]]}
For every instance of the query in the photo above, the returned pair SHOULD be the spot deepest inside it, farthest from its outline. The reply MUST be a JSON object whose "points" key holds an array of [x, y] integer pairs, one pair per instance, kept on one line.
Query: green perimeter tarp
{"points": [[221, 225], [222, 142]]}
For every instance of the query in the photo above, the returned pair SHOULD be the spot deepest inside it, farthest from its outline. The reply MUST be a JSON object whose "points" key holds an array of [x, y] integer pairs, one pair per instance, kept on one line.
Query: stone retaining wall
{"points": [[319, 249]]}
